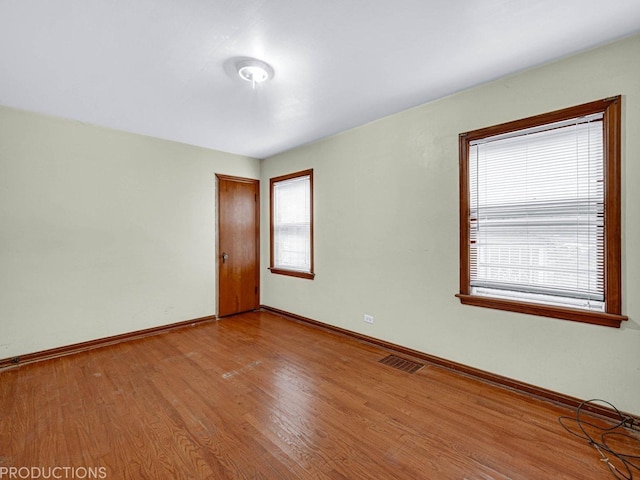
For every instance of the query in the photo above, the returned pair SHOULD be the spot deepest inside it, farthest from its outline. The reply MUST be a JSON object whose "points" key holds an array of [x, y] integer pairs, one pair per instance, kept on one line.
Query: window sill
{"points": [[293, 273], [595, 318]]}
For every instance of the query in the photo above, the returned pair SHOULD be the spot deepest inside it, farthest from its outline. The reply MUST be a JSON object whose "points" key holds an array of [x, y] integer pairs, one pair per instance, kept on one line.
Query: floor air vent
{"points": [[402, 364]]}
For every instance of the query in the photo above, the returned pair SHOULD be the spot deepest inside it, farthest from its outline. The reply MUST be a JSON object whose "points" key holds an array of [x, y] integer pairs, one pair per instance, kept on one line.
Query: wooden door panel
{"points": [[238, 245]]}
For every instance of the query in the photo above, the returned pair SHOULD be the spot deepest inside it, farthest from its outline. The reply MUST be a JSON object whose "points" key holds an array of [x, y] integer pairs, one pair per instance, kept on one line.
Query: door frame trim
{"points": [[256, 182]]}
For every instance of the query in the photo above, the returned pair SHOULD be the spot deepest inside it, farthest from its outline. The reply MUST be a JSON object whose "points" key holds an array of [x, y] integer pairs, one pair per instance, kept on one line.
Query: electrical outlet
{"points": [[368, 318]]}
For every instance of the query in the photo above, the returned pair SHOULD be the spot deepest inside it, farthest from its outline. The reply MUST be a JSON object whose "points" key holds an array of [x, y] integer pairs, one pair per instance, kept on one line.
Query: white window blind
{"points": [[292, 224], [537, 214]]}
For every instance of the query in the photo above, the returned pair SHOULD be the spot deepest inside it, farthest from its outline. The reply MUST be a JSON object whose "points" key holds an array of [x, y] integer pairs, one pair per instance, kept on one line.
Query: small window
{"points": [[540, 215], [292, 224]]}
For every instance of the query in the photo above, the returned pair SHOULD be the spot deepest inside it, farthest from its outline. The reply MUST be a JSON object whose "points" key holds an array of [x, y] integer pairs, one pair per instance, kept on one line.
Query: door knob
{"points": [[224, 257]]}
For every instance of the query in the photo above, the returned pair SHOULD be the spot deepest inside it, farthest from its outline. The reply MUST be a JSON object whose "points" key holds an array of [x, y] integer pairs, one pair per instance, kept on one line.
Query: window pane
{"points": [[292, 224], [537, 215]]}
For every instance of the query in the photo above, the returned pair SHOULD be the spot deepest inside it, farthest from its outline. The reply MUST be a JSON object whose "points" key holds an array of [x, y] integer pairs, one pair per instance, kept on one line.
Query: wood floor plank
{"points": [[257, 396]]}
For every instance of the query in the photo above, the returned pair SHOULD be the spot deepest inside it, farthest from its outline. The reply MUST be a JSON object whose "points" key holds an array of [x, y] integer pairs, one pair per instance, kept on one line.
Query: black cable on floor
{"points": [[621, 464]]}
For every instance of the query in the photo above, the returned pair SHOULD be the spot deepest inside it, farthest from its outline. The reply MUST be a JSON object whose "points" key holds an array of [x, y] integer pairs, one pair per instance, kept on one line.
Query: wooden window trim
{"points": [[280, 271], [611, 109]]}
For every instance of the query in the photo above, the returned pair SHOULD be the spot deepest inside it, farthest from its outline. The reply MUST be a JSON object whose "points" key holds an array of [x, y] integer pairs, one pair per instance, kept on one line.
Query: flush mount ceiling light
{"points": [[254, 71]]}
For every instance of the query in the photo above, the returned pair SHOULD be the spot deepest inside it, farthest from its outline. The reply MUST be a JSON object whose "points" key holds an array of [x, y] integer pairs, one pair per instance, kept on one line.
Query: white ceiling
{"points": [[164, 67]]}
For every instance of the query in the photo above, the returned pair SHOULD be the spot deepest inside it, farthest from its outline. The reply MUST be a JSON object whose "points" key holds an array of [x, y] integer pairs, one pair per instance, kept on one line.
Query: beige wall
{"points": [[102, 232], [386, 223]]}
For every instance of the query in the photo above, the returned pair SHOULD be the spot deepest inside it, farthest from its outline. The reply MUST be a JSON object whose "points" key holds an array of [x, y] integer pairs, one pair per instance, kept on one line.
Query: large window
{"points": [[540, 215], [292, 224]]}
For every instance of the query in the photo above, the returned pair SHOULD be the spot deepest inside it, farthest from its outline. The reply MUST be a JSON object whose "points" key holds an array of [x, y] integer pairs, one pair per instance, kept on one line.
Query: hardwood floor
{"points": [[257, 396]]}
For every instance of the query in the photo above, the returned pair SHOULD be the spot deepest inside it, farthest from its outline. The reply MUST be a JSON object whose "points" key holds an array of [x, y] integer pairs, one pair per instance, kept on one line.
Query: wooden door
{"points": [[238, 245]]}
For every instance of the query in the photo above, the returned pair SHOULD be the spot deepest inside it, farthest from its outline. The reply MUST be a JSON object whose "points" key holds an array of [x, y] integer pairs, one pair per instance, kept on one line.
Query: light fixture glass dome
{"points": [[254, 71]]}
